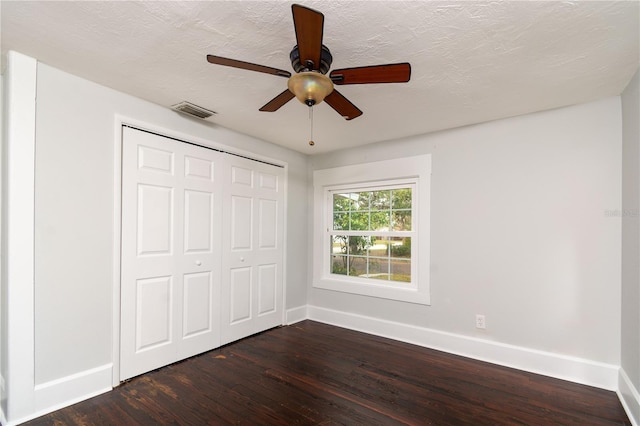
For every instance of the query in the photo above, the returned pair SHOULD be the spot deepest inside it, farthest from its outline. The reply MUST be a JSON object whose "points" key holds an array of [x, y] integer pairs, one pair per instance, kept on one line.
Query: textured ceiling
{"points": [[472, 61]]}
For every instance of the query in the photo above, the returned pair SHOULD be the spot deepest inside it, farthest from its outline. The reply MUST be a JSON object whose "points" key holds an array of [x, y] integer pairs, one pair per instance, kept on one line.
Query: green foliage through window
{"points": [[383, 252]]}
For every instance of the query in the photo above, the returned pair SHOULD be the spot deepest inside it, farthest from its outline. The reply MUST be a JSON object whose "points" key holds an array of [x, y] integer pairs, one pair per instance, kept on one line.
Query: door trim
{"points": [[119, 122]]}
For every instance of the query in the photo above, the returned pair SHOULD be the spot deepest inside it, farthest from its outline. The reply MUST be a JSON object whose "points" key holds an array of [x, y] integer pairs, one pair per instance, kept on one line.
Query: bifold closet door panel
{"points": [[252, 293], [171, 251]]}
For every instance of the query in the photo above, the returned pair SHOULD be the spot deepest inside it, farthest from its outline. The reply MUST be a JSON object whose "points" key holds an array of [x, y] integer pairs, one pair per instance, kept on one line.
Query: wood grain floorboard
{"points": [[316, 374]]}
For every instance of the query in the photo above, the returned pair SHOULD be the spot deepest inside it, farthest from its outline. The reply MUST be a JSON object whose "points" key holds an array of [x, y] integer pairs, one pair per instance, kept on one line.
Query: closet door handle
{"points": [[242, 259], [198, 263]]}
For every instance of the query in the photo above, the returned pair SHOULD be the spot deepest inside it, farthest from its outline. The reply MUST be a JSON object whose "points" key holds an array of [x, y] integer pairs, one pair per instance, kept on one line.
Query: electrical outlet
{"points": [[480, 321]]}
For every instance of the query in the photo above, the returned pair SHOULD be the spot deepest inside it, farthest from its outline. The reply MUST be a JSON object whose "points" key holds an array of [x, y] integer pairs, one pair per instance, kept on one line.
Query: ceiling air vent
{"points": [[193, 110]]}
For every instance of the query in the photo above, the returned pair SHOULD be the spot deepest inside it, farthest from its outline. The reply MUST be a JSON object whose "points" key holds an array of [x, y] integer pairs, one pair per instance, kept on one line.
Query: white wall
{"points": [[75, 125], [519, 232], [18, 145], [3, 282], [630, 356], [74, 214]]}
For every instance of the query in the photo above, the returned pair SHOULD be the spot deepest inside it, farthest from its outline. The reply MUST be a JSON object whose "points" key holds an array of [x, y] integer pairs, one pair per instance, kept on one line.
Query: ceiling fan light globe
{"points": [[310, 87]]}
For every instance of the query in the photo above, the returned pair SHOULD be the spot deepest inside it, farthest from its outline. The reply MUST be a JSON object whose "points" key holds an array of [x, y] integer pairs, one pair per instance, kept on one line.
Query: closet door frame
{"points": [[121, 121]]}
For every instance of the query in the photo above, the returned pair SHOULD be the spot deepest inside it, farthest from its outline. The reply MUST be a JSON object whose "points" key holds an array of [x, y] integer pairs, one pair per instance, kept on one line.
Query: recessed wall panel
{"points": [[197, 304], [240, 286], [155, 220], [268, 181], [267, 275], [241, 176], [198, 168], [198, 217], [153, 159], [241, 222], [268, 224], [153, 312]]}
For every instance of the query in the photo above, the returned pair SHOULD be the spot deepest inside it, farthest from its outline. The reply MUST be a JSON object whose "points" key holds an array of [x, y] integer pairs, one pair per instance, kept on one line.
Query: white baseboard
{"points": [[629, 397], [60, 393], [564, 367], [296, 315]]}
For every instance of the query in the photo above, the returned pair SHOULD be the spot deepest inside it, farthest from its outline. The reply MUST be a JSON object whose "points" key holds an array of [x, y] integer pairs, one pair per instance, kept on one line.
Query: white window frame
{"points": [[410, 170]]}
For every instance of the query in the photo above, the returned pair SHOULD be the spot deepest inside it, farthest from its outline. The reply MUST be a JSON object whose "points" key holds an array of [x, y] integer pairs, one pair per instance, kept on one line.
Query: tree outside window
{"points": [[371, 233]]}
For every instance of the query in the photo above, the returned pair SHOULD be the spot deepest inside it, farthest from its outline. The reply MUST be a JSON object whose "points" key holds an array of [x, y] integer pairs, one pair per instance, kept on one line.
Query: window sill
{"points": [[410, 295]]}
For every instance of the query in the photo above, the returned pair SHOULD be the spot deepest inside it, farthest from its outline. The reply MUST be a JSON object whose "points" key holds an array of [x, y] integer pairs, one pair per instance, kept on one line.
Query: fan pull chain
{"points": [[311, 142]]}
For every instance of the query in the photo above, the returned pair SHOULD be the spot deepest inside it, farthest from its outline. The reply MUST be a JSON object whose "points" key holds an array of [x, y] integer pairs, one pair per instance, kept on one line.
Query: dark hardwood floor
{"points": [[311, 373]]}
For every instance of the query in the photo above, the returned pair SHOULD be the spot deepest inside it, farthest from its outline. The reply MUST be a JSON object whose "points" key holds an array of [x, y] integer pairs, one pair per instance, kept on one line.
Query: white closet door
{"points": [[252, 248], [171, 223]]}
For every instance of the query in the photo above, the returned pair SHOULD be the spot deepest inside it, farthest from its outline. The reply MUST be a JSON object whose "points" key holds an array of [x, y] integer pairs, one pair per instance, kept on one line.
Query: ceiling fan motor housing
{"points": [[325, 61], [310, 83]]}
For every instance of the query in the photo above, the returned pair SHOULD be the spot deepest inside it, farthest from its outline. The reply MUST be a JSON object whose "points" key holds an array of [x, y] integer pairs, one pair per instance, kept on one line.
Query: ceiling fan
{"points": [[311, 60]]}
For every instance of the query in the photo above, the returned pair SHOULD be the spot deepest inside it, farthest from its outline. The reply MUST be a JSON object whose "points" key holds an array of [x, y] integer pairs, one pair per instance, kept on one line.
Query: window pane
{"points": [[341, 202], [379, 247], [361, 200], [339, 244], [339, 265], [401, 270], [357, 266], [380, 221], [401, 220], [401, 198], [378, 268], [401, 247], [341, 221], [358, 245], [359, 221], [380, 200], [378, 257]]}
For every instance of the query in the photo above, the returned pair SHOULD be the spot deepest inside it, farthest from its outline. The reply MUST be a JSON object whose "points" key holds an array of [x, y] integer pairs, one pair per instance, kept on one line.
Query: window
{"points": [[372, 229], [371, 232]]}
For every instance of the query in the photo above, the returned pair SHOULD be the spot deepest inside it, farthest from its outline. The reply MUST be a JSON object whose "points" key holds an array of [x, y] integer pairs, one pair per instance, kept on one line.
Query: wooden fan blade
{"points": [[234, 63], [275, 103], [309, 25], [389, 73], [342, 105]]}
